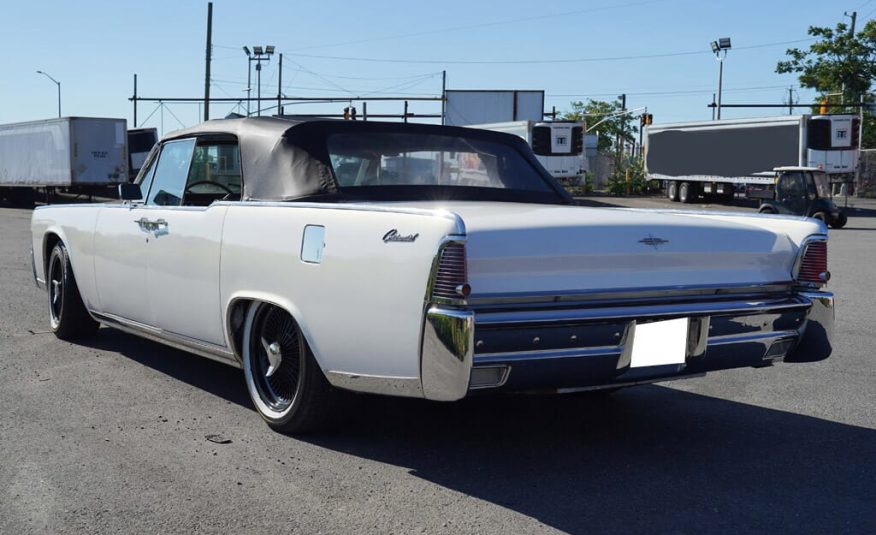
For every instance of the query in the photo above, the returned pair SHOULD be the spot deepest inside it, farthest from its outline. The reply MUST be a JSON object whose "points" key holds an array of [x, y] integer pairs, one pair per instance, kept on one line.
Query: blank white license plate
{"points": [[659, 343]]}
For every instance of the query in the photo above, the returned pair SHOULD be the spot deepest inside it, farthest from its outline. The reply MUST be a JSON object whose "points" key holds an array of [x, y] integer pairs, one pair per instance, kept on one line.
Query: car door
{"points": [[121, 254], [183, 270]]}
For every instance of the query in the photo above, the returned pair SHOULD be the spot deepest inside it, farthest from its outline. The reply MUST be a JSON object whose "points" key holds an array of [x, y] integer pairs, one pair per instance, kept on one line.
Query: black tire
{"points": [[294, 398], [766, 209], [685, 193], [67, 314], [672, 191], [824, 217], [839, 221]]}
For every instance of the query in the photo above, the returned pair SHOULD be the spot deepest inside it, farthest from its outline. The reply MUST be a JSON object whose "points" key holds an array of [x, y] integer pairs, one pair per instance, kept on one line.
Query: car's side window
{"points": [[170, 175], [214, 174]]}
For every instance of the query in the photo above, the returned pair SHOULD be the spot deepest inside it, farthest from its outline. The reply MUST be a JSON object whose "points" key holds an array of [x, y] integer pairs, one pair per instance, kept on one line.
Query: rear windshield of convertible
{"points": [[369, 159]]}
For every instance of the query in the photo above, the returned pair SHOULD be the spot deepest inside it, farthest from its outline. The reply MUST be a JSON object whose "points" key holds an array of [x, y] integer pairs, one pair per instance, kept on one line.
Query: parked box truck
{"points": [[80, 154], [712, 157], [558, 145]]}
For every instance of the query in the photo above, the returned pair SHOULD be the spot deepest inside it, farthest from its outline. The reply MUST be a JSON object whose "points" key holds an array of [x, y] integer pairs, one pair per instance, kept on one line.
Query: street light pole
{"points": [[258, 55], [47, 75], [721, 45]]}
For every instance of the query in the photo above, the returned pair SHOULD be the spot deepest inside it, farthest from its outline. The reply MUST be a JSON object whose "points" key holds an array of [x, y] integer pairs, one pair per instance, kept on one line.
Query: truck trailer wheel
{"points": [[839, 221], [686, 193], [672, 191]]}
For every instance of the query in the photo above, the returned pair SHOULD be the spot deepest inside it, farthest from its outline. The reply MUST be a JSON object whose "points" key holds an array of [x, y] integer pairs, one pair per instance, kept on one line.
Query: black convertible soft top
{"points": [[285, 159]]}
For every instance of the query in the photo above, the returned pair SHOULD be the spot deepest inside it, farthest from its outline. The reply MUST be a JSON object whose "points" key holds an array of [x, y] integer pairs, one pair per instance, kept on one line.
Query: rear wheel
{"points": [[839, 221], [766, 209], [824, 217], [672, 191], [283, 379], [685, 193], [67, 314]]}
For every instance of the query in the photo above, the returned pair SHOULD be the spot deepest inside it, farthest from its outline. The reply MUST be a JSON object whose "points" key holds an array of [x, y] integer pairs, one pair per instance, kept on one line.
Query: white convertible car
{"points": [[423, 261]]}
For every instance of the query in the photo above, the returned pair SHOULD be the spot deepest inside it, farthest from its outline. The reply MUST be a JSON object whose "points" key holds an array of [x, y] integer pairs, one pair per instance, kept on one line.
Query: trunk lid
{"points": [[532, 249]]}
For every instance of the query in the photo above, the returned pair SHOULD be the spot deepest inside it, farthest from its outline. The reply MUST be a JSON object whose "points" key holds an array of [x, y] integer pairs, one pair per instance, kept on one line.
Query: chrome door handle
{"points": [[151, 225]]}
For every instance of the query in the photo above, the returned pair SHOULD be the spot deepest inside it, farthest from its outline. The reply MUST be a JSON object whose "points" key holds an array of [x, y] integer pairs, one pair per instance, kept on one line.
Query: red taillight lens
{"points": [[813, 267], [450, 275]]}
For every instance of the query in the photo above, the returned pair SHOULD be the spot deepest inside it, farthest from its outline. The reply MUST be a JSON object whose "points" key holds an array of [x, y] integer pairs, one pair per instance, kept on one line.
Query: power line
{"points": [[541, 61], [481, 25], [673, 92]]}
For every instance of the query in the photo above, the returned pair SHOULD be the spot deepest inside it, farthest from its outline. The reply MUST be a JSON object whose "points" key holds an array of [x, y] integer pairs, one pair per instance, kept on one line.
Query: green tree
{"points": [[613, 122], [838, 61]]}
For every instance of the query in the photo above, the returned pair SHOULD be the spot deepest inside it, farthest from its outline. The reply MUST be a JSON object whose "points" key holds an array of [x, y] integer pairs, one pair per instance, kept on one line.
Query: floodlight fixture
{"points": [[246, 51], [715, 47], [269, 49], [724, 43], [257, 50]]}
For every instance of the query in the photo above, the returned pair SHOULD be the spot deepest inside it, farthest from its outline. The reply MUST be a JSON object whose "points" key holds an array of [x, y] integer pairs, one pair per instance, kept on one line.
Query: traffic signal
{"points": [[645, 119], [823, 109], [346, 114]]}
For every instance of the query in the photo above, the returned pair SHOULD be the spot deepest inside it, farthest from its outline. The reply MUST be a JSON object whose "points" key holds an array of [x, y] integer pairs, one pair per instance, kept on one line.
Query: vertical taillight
{"points": [[813, 265], [450, 276]]}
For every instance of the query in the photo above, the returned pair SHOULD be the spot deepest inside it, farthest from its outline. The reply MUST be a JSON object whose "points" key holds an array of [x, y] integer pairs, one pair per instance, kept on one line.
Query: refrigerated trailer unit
{"points": [[712, 157], [558, 145], [80, 154]]}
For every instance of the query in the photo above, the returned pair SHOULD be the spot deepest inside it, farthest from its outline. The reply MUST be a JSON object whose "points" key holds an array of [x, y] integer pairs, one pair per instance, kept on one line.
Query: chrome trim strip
{"points": [[40, 283], [447, 353], [376, 384], [177, 341], [635, 312], [770, 336], [634, 293], [486, 359], [363, 207]]}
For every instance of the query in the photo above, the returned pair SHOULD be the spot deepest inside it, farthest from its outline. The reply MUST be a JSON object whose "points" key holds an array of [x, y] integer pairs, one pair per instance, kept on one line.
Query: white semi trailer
{"points": [[79, 154], [712, 157], [558, 145]]}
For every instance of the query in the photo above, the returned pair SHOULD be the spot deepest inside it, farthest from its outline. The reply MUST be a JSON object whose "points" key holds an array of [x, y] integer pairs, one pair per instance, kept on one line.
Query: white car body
{"points": [[365, 300]]}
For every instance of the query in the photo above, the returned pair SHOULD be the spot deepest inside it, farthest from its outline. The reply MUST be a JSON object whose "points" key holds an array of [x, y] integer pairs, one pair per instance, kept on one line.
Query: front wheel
{"points": [[283, 379], [821, 216], [67, 314]]}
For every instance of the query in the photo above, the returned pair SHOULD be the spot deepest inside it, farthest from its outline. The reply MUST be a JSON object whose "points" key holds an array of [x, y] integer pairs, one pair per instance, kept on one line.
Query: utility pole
{"points": [[135, 100], [208, 58], [854, 17], [713, 106], [443, 95], [791, 100], [280, 87], [623, 117], [721, 45]]}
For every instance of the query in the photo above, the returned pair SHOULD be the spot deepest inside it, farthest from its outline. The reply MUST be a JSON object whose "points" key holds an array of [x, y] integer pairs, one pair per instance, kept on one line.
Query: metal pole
{"points": [[259, 84], [365, 112], [713, 106], [248, 83], [443, 95], [720, 82], [280, 86], [406, 111], [207, 60], [59, 100], [135, 101]]}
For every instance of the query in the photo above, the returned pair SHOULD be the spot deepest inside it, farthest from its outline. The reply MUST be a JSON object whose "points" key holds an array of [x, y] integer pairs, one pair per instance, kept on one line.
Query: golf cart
{"points": [[802, 191]]}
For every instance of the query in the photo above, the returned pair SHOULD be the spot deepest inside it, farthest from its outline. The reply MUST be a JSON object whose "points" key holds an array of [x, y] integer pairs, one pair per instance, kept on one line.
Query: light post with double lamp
{"points": [[258, 55], [59, 89], [721, 45]]}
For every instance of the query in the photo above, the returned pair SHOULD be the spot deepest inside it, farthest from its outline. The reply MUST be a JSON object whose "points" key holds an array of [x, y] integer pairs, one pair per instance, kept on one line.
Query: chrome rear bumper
{"points": [[590, 347]]}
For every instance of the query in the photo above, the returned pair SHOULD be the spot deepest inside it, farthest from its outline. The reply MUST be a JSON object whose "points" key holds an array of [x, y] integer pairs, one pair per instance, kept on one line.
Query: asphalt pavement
{"points": [[119, 434]]}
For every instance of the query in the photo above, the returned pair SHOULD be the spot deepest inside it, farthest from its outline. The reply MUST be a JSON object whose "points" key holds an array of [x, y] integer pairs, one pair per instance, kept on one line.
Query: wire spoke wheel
{"points": [[276, 352]]}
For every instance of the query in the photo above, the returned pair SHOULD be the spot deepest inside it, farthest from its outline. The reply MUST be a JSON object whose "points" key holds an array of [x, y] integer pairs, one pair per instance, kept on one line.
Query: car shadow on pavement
{"points": [[651, 459], [214, 377], [648, 459]]}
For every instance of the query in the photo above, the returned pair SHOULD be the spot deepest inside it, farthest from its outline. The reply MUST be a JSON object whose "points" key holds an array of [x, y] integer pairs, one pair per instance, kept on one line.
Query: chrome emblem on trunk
{"points": [[653, 242], [394, 236]]}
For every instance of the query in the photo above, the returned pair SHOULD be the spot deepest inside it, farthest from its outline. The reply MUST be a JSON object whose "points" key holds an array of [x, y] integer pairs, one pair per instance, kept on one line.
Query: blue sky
{"points": [[95, 47]]}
